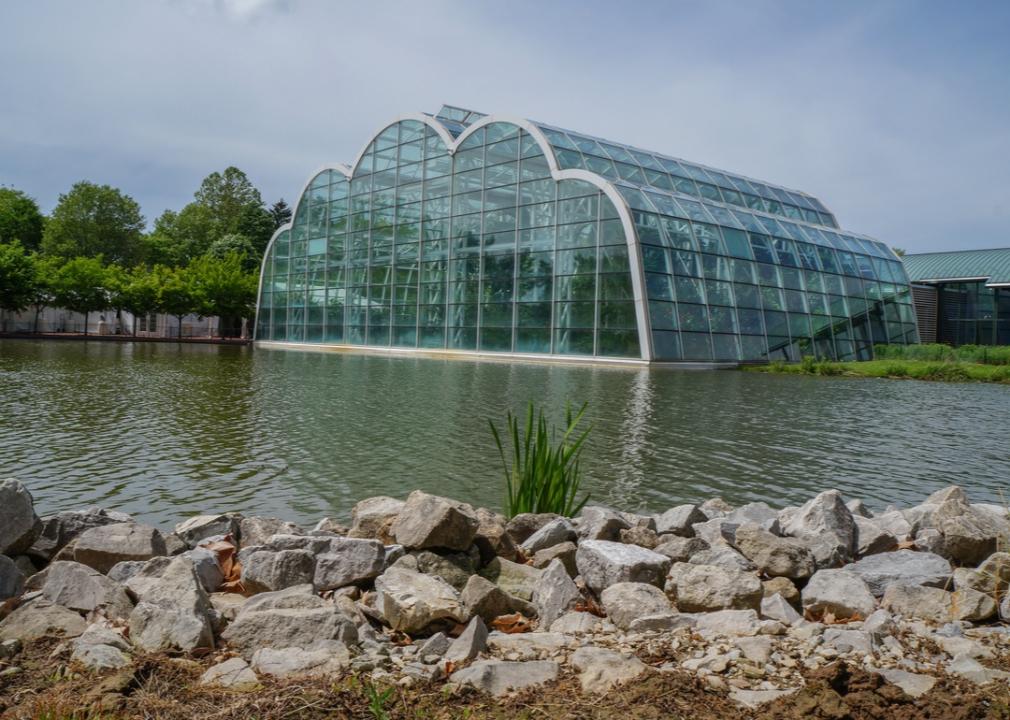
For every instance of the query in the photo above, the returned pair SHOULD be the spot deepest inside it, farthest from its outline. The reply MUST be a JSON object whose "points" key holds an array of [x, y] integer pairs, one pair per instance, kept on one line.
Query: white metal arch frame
{"points": [[605, 185]]}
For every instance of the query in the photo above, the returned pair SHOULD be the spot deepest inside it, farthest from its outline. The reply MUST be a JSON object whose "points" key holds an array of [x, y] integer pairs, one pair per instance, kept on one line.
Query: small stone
{"points": [[12, 580], [848, 641], [756, 649], [728, 623], [482, 598], [411, 601], [722, 555], [715, 507], [774, 556], [19, 525], [323, 658], [198, 528], [912, 684], [680, 520], [234, 673], [576, 623], [839, 592], [600, 523], [373, 518], [436, 645], [753, 699], [872, 538], [556, 531], [680, 549], [565, 552], [554, 594], [523, 525], [348, 561], [914, 601], [775, 607], [259, 530], [781, 586], [40, 618], [517, 580], [974, 671], [628, 601], [469, 644], [641, 536]]}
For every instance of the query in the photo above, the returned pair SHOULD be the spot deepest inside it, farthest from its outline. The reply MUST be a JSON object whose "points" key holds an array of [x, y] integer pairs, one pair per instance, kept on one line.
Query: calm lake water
{"points": [[162, 431]]}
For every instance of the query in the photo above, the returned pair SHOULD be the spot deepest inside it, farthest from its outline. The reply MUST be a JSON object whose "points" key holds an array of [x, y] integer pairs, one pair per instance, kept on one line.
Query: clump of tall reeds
{"points": [[542, 472]]}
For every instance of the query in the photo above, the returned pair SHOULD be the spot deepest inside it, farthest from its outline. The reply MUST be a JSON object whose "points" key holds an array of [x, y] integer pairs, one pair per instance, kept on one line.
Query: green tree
{"points": [[17, 277], [177, 295], [136, 292], [95, 220], [900, 252], [20, 219], [280, 211], [46, 269], [81, 285], [224, 287]]}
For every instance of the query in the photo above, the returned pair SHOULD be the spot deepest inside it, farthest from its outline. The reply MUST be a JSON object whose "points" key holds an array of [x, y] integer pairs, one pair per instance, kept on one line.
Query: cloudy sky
{"points": [[895, 113]]}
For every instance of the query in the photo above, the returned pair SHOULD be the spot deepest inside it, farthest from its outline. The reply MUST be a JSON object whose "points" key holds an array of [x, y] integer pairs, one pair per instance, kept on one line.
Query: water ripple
{"points": [[164, 431]]}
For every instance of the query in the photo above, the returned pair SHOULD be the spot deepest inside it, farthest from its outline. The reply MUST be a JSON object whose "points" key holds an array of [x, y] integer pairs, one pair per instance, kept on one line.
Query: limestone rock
{"points": [[469, 644], [680, 549], [717, 531], [774, 556], [680, 520], [554, 594], [293, 617], [84, 589], [269, 571], [601, 669], [328, 526], [455, 568], [258, 531], [323, 658], [715, 507], [628, 601], [994, 574], [430, 521], [757, 513], [39, 618], [104, 546], [704, 588], [12, 580], [173, 611], [438, 644], [757, 649], [600, 523], [515, 579], [776, 607], [19, 525], [722, 555], [915, 601], [641, 536], [576, 623], [59, 529], [527, 645], [872, 538], [557, 531], [565, 552], [781, 586], [101, 647], [901, 567], [729, 623], [492, 539], [482, 598], [411, 601], [848, 641], [970, 535], [753, 699], [348, 561], [198, 528], [826, 523], [976, 672], [839, 592], [913, 684], [603, 563], [523, 525], [207, 568], [498, 677], [373, 518], [234, 674]]}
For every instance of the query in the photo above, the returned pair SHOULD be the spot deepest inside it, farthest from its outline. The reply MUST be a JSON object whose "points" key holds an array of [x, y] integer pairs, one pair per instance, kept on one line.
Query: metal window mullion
{"points": [[599, 280]]}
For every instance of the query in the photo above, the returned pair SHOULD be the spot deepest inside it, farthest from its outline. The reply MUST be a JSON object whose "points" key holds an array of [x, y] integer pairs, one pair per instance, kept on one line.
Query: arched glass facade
{"points": [[461, 232]]}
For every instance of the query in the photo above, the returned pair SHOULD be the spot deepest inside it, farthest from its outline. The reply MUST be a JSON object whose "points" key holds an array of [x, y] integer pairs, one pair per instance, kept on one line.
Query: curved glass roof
{"points": [[992, 265]]}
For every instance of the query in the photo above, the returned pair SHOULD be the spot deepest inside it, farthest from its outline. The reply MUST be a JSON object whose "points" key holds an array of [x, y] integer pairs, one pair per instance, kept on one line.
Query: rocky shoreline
{"points": [[749, 600]]}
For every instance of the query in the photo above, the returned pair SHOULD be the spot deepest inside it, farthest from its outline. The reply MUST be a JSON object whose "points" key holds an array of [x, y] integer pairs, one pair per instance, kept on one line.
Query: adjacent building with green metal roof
{"points": [[962, 297]]}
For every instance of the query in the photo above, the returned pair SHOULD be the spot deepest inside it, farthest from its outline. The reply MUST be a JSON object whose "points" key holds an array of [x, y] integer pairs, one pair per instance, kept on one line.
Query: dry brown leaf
{"points": [[511, 624]]}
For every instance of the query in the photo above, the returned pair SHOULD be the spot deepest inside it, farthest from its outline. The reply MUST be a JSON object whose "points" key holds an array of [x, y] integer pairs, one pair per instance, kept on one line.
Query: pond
{"points": [[164, 430]]}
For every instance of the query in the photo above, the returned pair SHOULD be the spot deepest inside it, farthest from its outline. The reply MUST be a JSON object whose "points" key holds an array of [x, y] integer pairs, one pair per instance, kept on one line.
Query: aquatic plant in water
{"points": [[542, 471]]}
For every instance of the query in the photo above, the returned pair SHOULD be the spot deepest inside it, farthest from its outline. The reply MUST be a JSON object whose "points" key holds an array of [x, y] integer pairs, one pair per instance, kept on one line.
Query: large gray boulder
{"points": [[59, 529], [603, 563], [455, 568], [293, 617], [410, 601], [716, 531], [630, 601], [970, 535], [838, 592], [873, 537], [680, 520], [498, 677], [514, 578], [902, 567], [196, 529], [680, 549], [555, 594], [722, 555], [430, 521], [173, 611], [994, 574], [85, 590], [894, 522], [774, 556], [565, 552], [264, 570], [826, 525], [492, 538], [938, 605], [19, 525], [349, 561], [40, 618], [207, 567], [373, 518], [600, 523], [12, 580], [523, 525], [705, 588], [258, 530], [758, 513], [557, 531], [104, 546], [482, 598]]}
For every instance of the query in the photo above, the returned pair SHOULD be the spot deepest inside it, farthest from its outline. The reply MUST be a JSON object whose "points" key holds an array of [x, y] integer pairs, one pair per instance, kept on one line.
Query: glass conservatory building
{"points": [[471, 233]]}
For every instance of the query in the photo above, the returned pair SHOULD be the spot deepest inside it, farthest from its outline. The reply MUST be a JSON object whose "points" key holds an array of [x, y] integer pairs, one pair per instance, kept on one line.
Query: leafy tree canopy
{"points": [[95, 220], [81, 285], [17, 277], [20, 219], [223, 286]]}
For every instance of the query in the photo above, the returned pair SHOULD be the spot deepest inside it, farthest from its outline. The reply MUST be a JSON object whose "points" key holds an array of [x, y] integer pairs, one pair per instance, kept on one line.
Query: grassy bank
{"points": [[943, 371]]}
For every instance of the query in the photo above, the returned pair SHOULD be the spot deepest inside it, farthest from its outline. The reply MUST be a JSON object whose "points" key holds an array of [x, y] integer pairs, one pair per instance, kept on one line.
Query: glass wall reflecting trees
{"points": [[503, 245]]}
